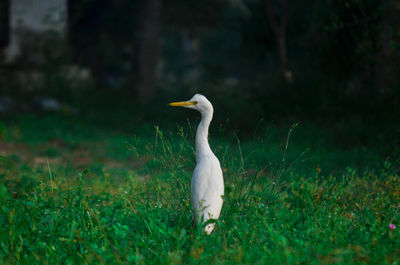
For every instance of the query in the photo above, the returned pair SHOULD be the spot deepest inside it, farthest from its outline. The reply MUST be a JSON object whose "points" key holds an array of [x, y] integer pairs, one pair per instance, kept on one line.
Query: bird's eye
{"points": [[195, 102]]}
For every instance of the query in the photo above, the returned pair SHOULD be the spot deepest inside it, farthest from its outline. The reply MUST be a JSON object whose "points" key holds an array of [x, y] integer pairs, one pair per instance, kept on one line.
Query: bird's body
{"points": [[207, 187]]}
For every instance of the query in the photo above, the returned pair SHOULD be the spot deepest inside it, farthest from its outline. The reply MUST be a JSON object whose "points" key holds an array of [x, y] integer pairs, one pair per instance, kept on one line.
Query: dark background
{"points": [[334, 64]]}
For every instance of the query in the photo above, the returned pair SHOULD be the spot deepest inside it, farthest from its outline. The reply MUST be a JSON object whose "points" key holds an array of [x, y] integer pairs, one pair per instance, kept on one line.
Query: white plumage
{"points": [[207, 187]]}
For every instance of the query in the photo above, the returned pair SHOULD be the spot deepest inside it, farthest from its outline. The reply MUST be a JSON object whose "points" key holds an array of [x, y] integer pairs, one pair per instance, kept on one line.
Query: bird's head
{"points": [[197, 102]]}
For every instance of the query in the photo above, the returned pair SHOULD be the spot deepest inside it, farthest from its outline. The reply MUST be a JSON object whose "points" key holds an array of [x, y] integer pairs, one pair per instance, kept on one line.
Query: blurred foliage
{"points": [[344, 56]]}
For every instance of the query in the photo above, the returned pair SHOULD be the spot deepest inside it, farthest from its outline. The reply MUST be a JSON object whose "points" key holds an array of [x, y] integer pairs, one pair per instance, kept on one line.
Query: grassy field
{"points": [[74, 193]]}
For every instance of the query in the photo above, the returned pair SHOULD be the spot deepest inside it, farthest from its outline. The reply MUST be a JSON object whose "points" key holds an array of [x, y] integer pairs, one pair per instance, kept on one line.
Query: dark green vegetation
{"points": [[73, 193], [79, 192], [100, 183], [341, 57]]}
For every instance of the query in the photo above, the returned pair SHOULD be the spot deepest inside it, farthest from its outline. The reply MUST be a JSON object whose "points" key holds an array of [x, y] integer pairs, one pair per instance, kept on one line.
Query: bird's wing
{"points": [[207, 186]]}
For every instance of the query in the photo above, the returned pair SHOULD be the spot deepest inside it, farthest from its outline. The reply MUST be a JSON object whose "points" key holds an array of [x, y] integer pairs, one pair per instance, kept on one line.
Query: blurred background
{"points": [[333, 64]]}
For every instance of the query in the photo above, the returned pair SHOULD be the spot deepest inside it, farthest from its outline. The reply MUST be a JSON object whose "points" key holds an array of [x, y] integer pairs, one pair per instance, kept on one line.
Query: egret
{"points": [[207, 186]]}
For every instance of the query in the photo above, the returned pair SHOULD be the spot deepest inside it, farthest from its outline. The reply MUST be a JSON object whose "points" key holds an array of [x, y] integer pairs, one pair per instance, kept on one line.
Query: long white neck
{"points": [[202, 146]]}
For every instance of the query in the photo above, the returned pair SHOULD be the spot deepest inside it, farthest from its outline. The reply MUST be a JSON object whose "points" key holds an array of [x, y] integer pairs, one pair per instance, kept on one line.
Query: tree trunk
{"points": [[384, 67], [281, 43], [4, 23], [279, 30], [149, 50]]}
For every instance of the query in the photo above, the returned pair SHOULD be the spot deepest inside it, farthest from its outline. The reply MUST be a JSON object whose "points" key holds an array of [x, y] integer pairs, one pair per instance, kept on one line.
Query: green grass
{"points": [[72, 193]]}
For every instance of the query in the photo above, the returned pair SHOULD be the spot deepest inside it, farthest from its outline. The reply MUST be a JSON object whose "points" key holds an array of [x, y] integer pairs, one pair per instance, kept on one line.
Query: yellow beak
{"points": [[183, 103]]}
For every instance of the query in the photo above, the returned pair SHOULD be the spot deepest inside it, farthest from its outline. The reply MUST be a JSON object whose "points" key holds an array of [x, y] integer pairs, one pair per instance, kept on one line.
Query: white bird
{"points": [[207, 187]]}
